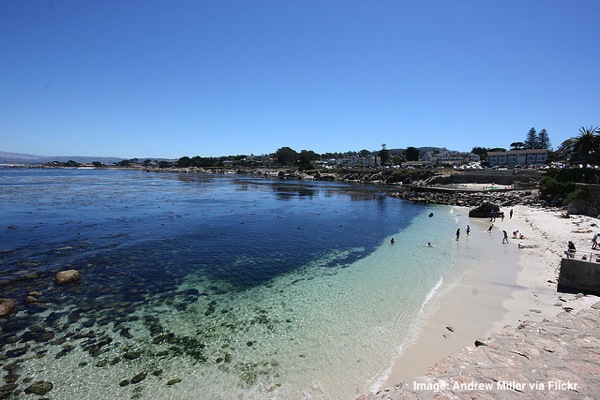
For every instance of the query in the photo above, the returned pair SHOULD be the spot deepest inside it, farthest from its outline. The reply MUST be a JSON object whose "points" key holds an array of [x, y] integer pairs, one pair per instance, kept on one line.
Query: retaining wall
{"points": [[579, 276]]}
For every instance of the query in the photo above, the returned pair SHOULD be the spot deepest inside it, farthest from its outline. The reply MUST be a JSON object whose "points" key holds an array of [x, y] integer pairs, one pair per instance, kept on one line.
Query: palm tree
{"points": [[584, 148]]}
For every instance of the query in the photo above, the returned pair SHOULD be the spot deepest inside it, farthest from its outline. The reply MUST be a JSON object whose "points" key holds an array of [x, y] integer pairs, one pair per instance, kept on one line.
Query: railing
{"points": [[590, 256]]}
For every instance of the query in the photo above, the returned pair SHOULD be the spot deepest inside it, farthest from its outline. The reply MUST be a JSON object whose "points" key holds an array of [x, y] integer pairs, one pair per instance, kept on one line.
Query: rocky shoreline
{"points": [[471, 199]]}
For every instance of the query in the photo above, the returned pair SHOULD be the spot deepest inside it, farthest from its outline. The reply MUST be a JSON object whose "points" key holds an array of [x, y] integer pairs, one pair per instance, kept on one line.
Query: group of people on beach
{"points": [[516, 234]]}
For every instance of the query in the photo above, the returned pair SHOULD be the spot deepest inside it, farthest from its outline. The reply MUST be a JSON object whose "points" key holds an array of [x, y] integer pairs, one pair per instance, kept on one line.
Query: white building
{"points": [[517, 157]]}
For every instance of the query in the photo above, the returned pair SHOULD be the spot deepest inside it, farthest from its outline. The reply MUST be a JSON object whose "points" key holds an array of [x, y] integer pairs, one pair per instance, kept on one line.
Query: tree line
{"points": [[584, 148]]}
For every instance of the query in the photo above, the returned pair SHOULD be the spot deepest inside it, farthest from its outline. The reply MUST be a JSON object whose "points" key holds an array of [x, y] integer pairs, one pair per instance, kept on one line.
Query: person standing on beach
{"points": [[511, 213], [490, 228], [457, 233], [468, 230], [595, 242], [505, 238]]}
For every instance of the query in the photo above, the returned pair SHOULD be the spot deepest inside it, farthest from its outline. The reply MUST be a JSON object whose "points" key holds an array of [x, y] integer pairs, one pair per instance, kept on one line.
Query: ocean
{"points": [[214, 287]]}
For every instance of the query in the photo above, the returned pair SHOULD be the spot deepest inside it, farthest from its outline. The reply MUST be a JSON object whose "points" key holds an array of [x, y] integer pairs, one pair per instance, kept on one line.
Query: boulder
{"points": [[6, 306], [68, 276], [484, 210]]}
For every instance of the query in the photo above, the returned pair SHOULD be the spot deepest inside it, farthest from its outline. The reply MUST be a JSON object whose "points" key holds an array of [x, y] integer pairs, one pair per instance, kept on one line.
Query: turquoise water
{"points": [[229, 287]]}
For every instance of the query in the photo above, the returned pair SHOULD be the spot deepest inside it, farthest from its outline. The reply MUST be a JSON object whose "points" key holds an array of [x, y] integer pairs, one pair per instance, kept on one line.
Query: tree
{"points": [[397, 159], [411, 154], [384, 154], [286, 156], [305, 159], [543, 140], [184, 162], [532, 139], [584, 148], [517, 145], [482, 152]]}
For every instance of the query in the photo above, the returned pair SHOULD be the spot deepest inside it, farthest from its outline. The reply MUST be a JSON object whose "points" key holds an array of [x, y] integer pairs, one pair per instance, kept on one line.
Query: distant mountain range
{"points": [[30, 159]]}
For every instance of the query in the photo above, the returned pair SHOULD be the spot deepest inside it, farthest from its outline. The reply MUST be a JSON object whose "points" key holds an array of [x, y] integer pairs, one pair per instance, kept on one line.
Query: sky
{"points": [[173, 78]]}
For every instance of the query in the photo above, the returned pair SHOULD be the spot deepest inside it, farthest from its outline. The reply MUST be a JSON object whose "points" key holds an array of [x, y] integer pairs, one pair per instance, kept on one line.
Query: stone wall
{"points": [[501, 177], [578, 275], [593, 199]]}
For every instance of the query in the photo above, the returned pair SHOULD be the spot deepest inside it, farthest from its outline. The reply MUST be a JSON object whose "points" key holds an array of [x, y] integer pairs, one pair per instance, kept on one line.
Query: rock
{"points": [[35, 293], [6, 306], [124, 382], [40, 388], [484, 210], [68, 276], [173, 381], [138, 378], [31, 299], [132, 355]]}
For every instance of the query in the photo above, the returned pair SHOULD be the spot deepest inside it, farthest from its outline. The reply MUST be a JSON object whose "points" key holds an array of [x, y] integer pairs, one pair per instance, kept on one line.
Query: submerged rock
{"points": [[6, 306], [40, 388], [138, 378], [67, 276]]}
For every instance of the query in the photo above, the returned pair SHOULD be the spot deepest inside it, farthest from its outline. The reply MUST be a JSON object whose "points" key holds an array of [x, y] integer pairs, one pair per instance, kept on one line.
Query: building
{"points": [[517, 157], [451, 157]]}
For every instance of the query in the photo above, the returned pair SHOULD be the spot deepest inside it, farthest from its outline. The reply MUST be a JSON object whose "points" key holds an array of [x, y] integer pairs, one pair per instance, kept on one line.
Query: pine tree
{"points": [[532, 139], [543, 140]]}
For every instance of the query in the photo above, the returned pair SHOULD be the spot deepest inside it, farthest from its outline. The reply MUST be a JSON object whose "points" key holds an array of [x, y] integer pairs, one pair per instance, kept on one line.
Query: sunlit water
{"points": [[210, 287]]}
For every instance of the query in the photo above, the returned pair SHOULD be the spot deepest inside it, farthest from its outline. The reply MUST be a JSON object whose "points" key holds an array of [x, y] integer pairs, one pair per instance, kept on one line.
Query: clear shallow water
{"points": [[240, 287]]}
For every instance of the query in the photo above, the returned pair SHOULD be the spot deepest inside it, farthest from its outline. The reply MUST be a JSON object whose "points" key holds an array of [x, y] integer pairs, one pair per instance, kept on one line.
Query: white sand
{"points": [[503, 286]]}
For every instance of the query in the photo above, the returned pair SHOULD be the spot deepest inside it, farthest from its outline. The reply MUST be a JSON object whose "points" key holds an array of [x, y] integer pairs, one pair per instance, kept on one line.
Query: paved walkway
{"points": [[558, 359]]}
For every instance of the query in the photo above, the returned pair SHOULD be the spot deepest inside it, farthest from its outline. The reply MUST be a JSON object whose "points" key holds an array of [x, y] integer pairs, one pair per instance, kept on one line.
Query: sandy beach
{"points": [[503, 284]]}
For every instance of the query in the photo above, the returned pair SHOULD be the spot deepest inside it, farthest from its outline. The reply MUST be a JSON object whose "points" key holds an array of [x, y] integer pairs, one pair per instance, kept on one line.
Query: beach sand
{"points": [[503, 284]]}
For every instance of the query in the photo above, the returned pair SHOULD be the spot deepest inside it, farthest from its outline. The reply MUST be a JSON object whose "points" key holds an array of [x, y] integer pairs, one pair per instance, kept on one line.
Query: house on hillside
{"points": [[517, 157], [451, 157]]}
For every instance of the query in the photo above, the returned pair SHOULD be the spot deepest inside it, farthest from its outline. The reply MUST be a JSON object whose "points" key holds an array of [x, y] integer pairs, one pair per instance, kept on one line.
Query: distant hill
{"points": [[30, 159]]}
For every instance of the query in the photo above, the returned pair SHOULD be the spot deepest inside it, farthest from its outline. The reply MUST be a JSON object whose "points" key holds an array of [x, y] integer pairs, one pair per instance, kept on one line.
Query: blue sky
{"points": [[164, 78]]}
